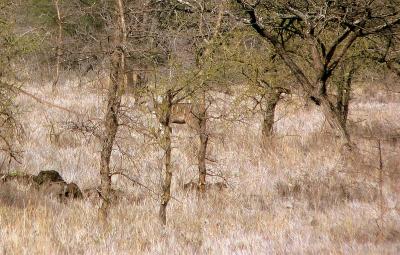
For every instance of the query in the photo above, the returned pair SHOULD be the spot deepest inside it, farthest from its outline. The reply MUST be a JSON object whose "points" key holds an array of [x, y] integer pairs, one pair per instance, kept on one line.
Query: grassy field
{"points": [[298, 196]]}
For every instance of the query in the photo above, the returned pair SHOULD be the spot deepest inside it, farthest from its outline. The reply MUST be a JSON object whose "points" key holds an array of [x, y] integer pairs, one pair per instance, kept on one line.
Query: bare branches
{"points": [[377, 29], [335, 44], [317, 25], [135, 182], [250, 10], [42, 101], [117, 77]]}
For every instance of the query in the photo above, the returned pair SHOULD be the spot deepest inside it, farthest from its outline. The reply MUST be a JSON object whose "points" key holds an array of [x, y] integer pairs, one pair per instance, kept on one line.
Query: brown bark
{"points": [[315, 90], [334, 120], [166, 144], [117, 80], [343, 97], [59, 42], [201, 109], [203, 139], [317, 94], [269, 114]]}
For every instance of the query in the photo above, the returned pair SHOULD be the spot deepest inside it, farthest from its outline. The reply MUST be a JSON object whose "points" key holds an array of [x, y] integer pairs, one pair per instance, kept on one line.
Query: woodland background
{"points": [[201, 127]]}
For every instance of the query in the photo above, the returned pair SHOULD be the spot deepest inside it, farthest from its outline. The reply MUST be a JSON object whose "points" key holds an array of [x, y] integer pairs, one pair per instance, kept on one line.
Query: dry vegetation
{"points": [[199, 127], [295, 197]]}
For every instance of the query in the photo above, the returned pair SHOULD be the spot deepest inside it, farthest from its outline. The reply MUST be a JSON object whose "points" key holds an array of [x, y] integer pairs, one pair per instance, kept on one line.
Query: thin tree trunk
{"points": [[59, 42], [203, 138], [166, 144], [113, 105], [202, 108], [343, 100], [269, 115]]}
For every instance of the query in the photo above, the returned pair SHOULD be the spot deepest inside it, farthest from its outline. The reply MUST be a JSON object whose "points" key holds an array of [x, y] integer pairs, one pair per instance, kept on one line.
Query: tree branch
{"points": [[380, 28], [299, 74]]}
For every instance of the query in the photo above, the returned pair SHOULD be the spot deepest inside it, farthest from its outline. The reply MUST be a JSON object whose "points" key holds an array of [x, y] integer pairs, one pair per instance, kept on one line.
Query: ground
{"points": [[298, 196]]}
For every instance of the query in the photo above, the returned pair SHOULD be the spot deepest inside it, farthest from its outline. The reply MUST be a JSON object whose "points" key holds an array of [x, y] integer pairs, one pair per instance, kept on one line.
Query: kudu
{"points": [[185, 113], [135, 80]]}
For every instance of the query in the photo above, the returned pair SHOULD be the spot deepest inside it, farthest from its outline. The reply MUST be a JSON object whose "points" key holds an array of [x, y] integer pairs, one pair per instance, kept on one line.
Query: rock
{"points": [[48, 176], [53, 189], [50, 183], [46, 183], [61, 190], [73, 191]]}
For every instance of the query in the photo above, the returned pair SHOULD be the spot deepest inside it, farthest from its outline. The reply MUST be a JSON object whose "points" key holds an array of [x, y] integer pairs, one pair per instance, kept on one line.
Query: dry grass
{"points": [[296, 197]]}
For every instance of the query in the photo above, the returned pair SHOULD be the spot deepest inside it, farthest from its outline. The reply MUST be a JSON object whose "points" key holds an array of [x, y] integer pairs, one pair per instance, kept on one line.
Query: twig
{"points": [[42, 101], [381, 196], [140, 184]]}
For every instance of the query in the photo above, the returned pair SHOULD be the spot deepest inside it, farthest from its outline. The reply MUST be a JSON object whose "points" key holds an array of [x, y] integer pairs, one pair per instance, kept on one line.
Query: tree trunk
{"points": [[334, 119], [269, 114], [166, 144], [331, 113], [203, 139], [59, 42], [202, 108], [317, 94], [117, 80], [330, 61], [343, 97]]}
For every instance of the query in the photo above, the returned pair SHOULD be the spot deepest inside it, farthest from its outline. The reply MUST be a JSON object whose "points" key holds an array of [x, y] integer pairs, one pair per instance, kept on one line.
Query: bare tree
{"points": [[210, 15], [263, 77], [14, 45], [385, 49], [117, 80], [201, 102], [164, 115], [327, 30]]}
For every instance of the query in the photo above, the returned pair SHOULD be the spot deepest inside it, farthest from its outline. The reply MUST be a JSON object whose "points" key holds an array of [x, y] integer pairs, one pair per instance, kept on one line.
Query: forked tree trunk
{"points": [[166, 144], [318, 95], [117, 80], [269, 115], [203, 139]]}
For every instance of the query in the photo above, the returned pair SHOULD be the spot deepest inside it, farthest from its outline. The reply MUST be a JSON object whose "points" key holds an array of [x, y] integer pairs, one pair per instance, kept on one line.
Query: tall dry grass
{"points": [[295, 197]]}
